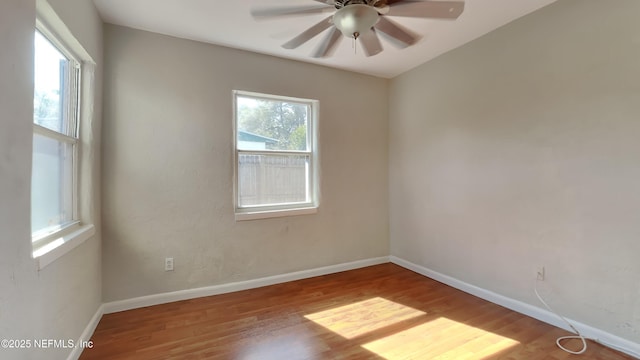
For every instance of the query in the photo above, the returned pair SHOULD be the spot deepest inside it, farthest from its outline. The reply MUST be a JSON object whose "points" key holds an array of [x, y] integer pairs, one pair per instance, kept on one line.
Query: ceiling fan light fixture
{"points": [[353, 20]]}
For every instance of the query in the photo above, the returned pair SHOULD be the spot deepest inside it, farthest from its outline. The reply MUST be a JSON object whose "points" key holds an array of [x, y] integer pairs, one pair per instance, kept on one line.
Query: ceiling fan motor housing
{"points": [[355, 19]]}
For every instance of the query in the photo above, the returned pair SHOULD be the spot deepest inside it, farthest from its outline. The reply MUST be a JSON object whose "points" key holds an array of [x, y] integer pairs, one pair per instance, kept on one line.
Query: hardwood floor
{"points": [[379, 312]]}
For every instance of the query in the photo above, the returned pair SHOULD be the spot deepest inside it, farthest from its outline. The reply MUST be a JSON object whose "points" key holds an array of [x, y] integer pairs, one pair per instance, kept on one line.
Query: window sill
{"points": [[50, 252], [255, 215]]}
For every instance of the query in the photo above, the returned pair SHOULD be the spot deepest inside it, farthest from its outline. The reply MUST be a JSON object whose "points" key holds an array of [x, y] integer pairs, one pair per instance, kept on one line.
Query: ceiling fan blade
{"points": [[402, 36], [328, 2], [382, 10], [261, 13], [427, 9], [381, 6], [309, 33], [328, 44], [370, 43]]}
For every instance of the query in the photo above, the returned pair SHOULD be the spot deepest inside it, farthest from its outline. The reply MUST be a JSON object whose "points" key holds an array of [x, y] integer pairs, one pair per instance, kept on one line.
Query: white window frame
{"points": [[279, 210], [56, 241]]}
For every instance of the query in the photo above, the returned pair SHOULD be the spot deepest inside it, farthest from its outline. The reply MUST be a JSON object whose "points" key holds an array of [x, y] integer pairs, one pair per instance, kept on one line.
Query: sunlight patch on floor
{"points": [[363, 317], [441, 338]]}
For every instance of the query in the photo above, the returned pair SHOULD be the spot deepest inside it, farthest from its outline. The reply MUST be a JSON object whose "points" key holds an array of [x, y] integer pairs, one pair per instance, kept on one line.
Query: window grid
{"points": [[66, 135], [289, 174]]}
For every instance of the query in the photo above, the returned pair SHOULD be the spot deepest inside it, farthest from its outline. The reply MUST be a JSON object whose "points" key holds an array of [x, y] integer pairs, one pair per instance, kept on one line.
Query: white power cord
{"points": [[560, 339]]}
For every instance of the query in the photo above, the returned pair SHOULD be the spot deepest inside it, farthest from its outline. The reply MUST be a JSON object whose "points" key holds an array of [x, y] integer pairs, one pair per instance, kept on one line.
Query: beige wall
{"points": [[167, 171], [58, 301], [521, 149], [517, 150]]}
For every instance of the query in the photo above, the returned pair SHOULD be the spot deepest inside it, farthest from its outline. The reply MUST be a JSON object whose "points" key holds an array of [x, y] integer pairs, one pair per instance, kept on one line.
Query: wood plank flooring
{"points": [[378, 312]]}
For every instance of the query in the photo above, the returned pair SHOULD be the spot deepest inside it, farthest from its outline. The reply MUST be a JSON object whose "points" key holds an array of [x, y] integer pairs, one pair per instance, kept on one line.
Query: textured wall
{"points": [[167, 167], [522, 149], [58, 301], [19, 303]]}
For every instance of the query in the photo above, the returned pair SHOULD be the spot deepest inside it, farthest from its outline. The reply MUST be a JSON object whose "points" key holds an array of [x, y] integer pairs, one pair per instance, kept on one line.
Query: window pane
{"points": [[51, 183], [271, 124], [50, 86], [272, 179]]}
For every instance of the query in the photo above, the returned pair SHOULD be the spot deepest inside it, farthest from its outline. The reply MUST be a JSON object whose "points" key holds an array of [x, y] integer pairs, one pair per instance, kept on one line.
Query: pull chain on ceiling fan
{"points": [[363, 19]]}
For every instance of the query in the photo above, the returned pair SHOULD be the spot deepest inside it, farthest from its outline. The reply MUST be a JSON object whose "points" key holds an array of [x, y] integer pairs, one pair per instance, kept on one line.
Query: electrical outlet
{"points": [[540, 273], [168, 264]]}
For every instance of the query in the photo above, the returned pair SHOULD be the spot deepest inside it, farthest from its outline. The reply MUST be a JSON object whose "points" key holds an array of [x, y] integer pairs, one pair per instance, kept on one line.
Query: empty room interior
{"points": [[311, 179]]}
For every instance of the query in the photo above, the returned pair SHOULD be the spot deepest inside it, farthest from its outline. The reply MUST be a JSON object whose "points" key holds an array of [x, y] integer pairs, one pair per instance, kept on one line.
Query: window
{"points": [[55, 138], [275, 156], [55, 218]]}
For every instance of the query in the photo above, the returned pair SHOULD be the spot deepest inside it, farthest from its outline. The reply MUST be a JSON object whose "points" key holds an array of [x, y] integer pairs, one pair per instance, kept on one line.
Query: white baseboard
{"points": [[156, 299], [122, 305], [600, 336], [603, 337], [87, 333]]}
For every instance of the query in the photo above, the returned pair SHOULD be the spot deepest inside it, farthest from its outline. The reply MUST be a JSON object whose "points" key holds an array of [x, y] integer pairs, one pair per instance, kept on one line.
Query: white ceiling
{"points": [[229, 23]]}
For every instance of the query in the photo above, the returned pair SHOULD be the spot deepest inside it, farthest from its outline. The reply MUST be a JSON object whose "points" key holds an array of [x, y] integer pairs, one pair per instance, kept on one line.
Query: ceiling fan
{"points": [[363, 20]]}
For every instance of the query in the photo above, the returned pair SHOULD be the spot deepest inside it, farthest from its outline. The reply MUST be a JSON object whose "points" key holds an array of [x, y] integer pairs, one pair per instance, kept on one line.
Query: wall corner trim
{"points": [[163, 298], [87, 333], [597, 335]]}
